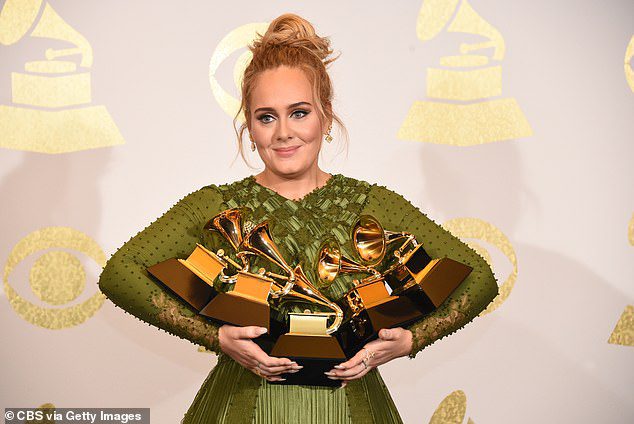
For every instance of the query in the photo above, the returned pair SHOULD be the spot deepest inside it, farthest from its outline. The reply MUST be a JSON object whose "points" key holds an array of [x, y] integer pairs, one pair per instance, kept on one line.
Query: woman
{"points": [[287, 99]]}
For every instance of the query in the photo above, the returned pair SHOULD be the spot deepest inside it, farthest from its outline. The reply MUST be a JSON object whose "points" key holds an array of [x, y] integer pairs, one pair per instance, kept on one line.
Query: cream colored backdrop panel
{"points": [[510, 123]]}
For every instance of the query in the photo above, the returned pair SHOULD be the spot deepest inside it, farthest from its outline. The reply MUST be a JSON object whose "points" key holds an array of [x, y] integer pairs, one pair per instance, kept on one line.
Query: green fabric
{"points": [[231, 394]]}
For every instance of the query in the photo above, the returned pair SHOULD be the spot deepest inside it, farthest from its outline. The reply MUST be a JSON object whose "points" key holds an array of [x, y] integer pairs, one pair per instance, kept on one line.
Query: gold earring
{"points": [[252, 143], [328, 136]]}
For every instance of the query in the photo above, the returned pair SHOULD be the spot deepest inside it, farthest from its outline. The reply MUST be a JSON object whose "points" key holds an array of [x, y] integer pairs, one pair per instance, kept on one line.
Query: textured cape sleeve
{"points": [[126, 282], [474, 294]]}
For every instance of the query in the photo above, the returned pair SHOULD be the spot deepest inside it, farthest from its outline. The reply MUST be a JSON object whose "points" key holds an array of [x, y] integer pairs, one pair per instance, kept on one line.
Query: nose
{"points": [[284, 131]]}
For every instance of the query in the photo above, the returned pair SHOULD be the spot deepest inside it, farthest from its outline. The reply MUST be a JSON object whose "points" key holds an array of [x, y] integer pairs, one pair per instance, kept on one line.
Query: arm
{"points": [[396, 213], [126, 282], [468, 300]]}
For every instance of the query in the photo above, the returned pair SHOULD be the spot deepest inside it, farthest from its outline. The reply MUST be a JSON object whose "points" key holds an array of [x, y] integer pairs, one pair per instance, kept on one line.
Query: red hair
{"points": [[291, 41]]}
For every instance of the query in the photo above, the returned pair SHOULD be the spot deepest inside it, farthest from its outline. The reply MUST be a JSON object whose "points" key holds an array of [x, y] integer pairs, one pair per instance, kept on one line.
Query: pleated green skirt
{"points": [[231, 394]]}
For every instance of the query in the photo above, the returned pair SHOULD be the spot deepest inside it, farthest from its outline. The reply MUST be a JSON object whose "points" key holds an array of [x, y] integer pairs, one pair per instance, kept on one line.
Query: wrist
{"points": [[409, 342], [221, 336]]}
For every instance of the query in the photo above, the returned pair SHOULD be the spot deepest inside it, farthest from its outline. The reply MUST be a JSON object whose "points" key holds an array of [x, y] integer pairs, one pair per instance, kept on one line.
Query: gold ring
{"points": [[368, 355], [257, 370]]}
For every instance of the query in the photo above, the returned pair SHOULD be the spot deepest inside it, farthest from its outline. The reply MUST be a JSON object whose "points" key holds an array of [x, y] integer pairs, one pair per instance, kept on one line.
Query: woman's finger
{"points": [[370, 350], [352, 362], [349, 372], [251, 332], [359, 375], [271, 361], [389, 334], [260, 373], [352, 374], [281, 369]]}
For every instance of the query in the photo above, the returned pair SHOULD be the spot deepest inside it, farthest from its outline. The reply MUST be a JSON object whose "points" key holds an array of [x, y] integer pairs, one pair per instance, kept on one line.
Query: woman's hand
{"points": [[392, 343], [236, 342]]}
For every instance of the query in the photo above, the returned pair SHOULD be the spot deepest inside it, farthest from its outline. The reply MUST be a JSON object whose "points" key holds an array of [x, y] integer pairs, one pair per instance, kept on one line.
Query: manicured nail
{"points": [[340, 367], [333, 378], [293, 371], [330, 373], [298, 367]]}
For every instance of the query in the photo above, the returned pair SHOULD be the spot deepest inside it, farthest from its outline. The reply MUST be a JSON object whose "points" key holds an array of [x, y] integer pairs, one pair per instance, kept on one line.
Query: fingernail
{"points": [[330, 373], [293, 371], [333, 378], [298, 367], [340, 367], [262, 330]]}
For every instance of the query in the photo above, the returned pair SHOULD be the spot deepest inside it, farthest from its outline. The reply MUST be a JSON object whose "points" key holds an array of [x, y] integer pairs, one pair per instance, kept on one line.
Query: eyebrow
{"points": [[289, 107]]}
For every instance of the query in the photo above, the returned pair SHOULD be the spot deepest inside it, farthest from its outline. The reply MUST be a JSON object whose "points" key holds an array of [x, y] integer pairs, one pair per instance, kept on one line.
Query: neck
{"points": [[293, 186]]}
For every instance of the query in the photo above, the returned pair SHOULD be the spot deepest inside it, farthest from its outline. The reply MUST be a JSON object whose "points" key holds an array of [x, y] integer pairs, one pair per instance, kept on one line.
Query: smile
{"points": [[287, 152]]}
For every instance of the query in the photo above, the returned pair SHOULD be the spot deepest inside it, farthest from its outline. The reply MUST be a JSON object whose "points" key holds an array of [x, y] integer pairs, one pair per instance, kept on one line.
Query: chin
{"points": [[290, 168]]}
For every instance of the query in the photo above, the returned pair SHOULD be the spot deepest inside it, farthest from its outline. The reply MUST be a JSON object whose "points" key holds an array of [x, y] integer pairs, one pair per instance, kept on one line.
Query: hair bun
{"points": [[292, 30]]}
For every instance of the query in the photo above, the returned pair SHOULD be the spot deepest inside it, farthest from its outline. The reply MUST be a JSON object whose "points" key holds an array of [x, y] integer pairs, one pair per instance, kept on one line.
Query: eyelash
{"points": [[261, 117]]}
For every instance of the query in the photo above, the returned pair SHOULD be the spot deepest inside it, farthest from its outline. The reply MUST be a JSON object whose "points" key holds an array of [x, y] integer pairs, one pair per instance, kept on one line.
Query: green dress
{"points": [[233, 394]]}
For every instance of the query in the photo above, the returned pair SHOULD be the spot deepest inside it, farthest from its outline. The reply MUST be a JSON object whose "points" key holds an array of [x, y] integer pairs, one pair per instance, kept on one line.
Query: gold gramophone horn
{"points": [[259, 242], [303, 285], [305, 290], [370, 239], [228, 224], [331, 262]]}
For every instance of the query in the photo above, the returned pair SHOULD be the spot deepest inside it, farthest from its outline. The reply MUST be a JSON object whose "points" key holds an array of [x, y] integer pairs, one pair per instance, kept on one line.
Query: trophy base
{"points": [[437, 281], [267, 341], [419, 298], [183, 282], [237, 310], [219, 307], [317, 354], [364, 327]]}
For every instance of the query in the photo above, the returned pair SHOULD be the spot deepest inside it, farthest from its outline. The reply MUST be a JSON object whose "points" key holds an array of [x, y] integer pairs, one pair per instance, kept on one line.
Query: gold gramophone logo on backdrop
{"points": [[623, 333], [57, 277], [465, 110], [451, 410], [477, 229], [629, 72], [235, 40], [51, 110]]}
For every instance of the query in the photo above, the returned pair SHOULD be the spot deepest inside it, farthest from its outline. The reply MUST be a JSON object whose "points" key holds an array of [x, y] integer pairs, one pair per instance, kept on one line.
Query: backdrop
{"points": [[509, 123]]}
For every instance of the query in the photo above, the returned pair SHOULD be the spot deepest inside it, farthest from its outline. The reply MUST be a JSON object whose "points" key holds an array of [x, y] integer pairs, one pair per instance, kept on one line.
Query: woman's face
{"points": [[284, 121]]}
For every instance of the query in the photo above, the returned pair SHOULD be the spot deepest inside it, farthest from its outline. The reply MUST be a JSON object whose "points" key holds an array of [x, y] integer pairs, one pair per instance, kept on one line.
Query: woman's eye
{"points": [[263, 118], [303, 112]]}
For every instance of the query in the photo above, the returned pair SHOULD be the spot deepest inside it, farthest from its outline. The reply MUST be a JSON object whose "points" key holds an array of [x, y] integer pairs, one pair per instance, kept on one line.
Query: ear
{"points": [[327, 125], [328, 122]]}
